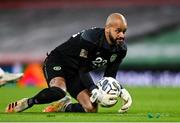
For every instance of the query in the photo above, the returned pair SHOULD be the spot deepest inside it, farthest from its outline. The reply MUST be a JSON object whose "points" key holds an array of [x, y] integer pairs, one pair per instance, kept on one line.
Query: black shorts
{"points": [[74, 82]]}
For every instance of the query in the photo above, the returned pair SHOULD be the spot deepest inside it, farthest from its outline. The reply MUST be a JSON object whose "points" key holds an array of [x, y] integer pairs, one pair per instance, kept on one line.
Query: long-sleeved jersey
{"points": [[88, 50]]}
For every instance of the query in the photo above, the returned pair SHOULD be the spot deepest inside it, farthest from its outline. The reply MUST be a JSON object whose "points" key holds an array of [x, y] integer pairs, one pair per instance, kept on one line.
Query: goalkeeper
{"points": [[67, 69]]}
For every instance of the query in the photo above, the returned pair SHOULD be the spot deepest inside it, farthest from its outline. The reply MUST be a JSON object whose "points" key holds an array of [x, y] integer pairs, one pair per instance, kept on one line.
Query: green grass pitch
{"points": [[150, 104]]}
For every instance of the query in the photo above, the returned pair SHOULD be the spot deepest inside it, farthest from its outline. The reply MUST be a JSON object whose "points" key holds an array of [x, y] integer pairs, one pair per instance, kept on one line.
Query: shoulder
{"points": [[92, 34]]}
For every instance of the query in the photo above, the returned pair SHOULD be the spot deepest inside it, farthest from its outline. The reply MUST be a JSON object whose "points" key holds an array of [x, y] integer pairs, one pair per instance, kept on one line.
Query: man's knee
{"points": [[90, 108], [58, 82]]}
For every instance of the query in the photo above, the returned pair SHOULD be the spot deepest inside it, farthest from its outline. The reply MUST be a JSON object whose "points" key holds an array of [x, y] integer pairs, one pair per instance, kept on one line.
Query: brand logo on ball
{"points": [[113, 57], [57, 68]]}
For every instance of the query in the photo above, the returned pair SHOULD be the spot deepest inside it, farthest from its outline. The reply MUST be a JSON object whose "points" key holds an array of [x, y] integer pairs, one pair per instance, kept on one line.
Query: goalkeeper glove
{"points": [[103, 98], [127, 100]]}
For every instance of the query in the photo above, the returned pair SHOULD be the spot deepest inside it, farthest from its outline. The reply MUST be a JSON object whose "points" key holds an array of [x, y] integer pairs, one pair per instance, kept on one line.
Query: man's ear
{"points": [[107, 28]]}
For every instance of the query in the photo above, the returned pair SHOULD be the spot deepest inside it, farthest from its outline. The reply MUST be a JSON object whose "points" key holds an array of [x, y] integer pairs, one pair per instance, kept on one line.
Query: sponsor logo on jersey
{"points": [[83, 53], [57, 68], [113, 57]]}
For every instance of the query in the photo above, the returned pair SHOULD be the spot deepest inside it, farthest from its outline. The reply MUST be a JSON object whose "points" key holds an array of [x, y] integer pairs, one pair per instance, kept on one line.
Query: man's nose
{"points": [[121, 35]]}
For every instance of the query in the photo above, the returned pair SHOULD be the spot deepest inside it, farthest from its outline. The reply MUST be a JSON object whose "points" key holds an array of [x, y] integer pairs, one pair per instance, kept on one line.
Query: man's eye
{"points": [[117, 30], [124, 31]]}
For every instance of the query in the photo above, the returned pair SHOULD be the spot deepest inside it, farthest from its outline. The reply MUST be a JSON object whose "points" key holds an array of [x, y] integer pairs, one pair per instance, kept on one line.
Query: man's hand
{"points": [[103, 98], [127, 100]]}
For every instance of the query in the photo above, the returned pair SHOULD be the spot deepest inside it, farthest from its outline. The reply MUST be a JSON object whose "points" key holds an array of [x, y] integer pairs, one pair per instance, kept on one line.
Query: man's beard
{"points": [[113, 41]]}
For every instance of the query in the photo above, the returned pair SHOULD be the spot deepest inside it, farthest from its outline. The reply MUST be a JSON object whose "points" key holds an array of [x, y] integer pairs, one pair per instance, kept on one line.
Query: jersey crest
{"points": [[113, 57]]}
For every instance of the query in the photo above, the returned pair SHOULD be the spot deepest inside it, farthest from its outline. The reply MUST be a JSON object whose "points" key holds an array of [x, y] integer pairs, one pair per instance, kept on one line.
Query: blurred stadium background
{"points": [[31, 28]]}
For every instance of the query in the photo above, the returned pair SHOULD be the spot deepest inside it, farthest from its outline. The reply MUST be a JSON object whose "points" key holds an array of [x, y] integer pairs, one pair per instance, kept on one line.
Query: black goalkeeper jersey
{"points": [[88, 50]]}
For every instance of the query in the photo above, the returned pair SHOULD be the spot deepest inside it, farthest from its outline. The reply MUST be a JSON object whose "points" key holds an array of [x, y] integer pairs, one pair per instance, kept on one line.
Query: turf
{"points": [[150, 104]]}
